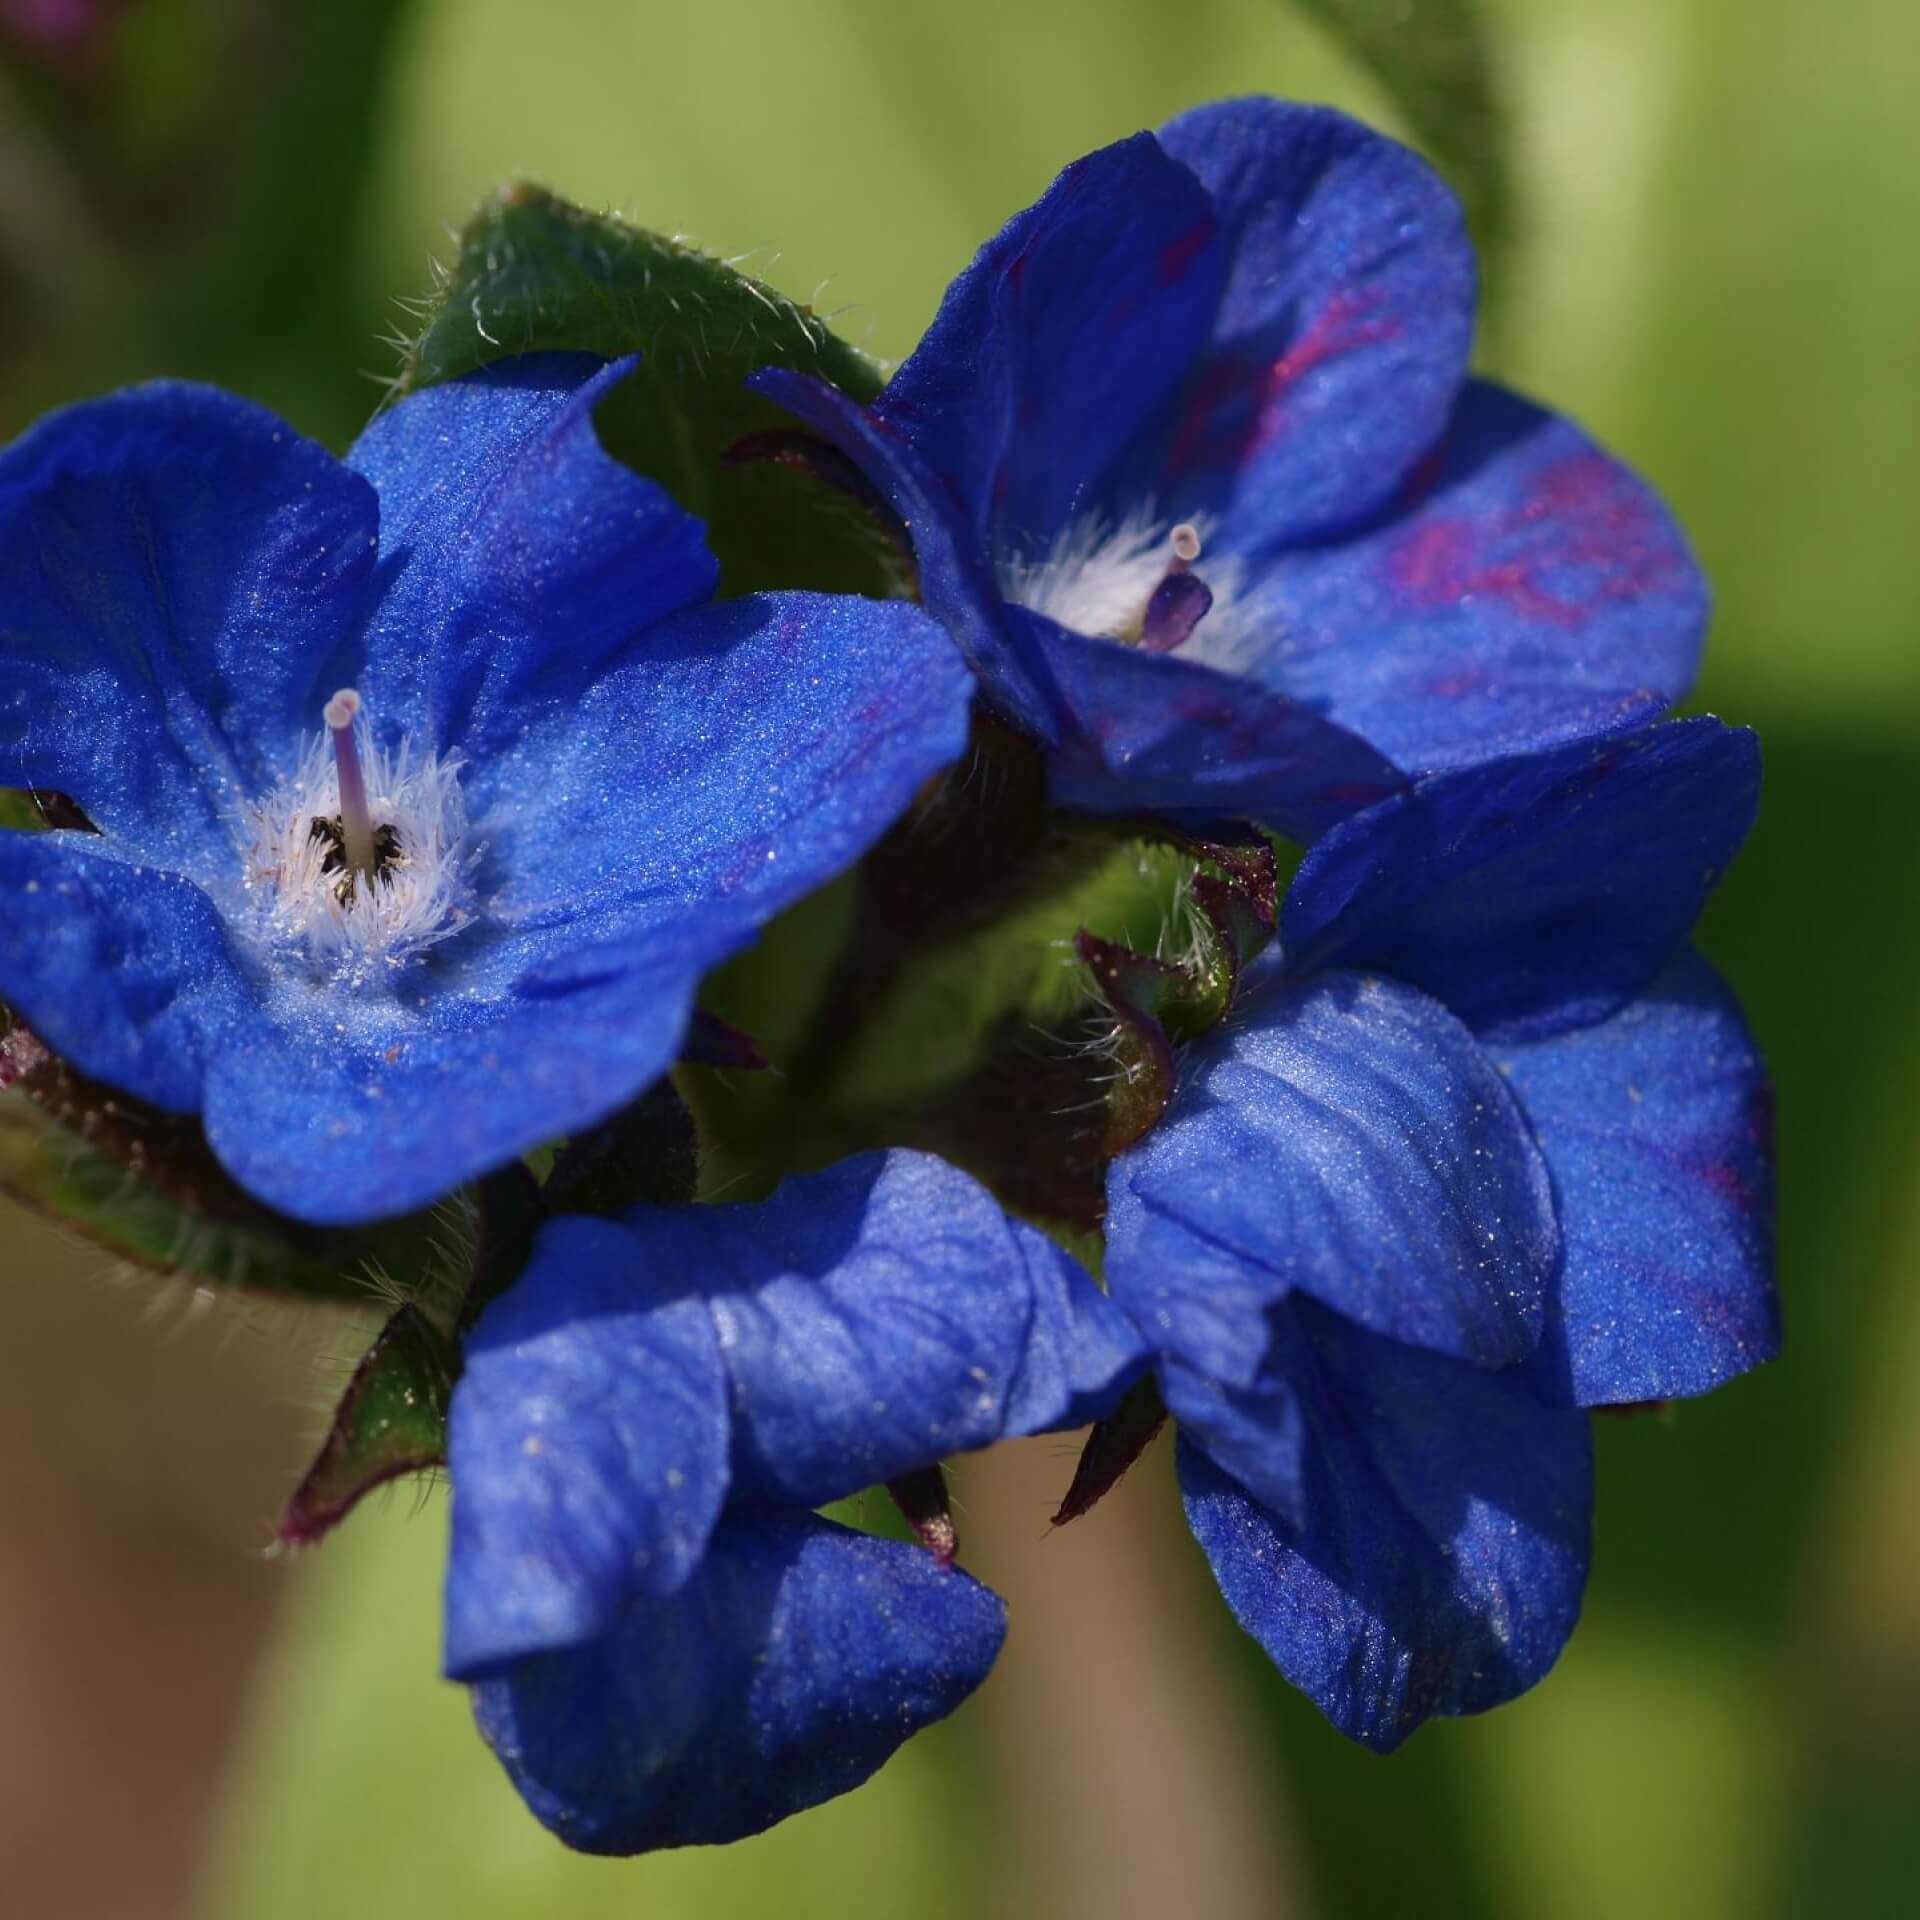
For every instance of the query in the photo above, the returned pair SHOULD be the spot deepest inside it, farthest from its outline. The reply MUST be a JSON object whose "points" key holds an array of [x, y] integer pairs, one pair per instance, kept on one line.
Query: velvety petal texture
{"points": [[588, 1441], [665, 1645], [516, 554], [1054, 347], [1538, 893], [1154, 733], [1522, 588], [1343, 1138], [625, 785], [1343, 331], [173, 563], [120, 968], [1657, 1127], [1441, 1543], [1132, 732], [957, 580], [790, 1667], [1258, 323], [861, 1323]]}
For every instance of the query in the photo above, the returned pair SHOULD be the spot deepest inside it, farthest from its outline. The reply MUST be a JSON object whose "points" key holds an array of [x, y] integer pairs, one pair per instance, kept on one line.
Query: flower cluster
{"points": [[406, 802]]}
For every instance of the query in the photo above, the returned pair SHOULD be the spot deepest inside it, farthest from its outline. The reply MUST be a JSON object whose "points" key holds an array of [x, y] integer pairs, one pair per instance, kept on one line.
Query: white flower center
{"points": [[1102, 577], [361, 860]]}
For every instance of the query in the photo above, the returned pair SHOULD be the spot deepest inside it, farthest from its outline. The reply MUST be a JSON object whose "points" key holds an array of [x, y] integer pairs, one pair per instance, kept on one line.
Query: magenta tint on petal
{"points": [[1523, 588], [1059, 341], [1343, 1137], [1657, 1127], [732, 759], [1537, 893], [175, 566], [1341, 337]]}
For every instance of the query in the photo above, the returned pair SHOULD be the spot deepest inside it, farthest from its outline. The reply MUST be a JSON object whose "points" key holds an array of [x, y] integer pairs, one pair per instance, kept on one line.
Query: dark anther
{"points": [[1178, 605], [386, 855]]}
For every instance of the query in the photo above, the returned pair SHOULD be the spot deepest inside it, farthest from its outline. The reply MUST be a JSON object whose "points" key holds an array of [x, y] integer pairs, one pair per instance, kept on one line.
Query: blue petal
{"points": [[1154, 733], [636, 836], [880, 1314], [792, 1665], [516, 554], [1345, 1138], [1255, 1433], [1082, 1352], [1657, 1126], [123, 970], [956, 581], [1537, 893], [174, 565], [1059, 341], [1523, 589], [1343, 333], [1439, 1560], [588, 1448], [731, 761], [339, 1106]]}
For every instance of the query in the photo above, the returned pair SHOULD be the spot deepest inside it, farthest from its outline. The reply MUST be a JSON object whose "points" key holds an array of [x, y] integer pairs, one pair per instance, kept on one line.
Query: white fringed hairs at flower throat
{"points": [[362, 858]]}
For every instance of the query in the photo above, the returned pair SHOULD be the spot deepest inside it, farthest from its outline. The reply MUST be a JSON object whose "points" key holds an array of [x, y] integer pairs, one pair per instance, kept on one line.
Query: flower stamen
{"points": [[1181, 600], [1134, 581], [356, 819]]}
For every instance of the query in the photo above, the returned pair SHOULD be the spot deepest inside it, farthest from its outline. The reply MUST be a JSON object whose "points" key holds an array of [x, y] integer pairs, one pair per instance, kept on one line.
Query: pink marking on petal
{"points": [[1178, 255], [1241, 401], [1456, 686], [1582, 518]]}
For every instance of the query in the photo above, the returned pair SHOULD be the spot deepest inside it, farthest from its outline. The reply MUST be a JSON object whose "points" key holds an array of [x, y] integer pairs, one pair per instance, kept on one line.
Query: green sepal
{"points": [[533, 274], [1029, 1120], [391, 1421], [144, 1186], [18, 813], [40, 809], [1142, 994]]}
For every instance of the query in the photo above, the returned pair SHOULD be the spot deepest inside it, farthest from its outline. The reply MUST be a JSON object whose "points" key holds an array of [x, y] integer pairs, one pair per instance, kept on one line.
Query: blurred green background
{"points": [[1716, 205]]}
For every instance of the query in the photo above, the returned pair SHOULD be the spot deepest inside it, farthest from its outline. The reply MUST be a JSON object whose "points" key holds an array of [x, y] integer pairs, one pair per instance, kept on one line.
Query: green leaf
{"points": [[392, 1420], [144, 1186], [18, 813], [533, 273], [1435, 60]]}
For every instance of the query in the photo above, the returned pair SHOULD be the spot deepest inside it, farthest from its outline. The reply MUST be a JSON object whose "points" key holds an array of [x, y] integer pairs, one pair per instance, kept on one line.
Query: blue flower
{"points": [[1208, 399], [1483, 1146], [427, 785], [666, 1645]]}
